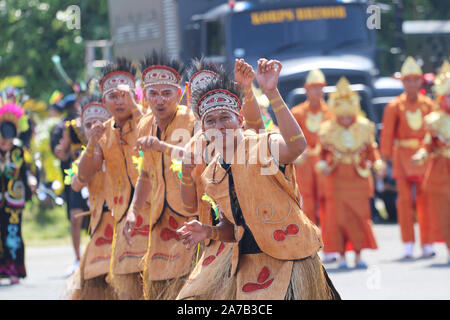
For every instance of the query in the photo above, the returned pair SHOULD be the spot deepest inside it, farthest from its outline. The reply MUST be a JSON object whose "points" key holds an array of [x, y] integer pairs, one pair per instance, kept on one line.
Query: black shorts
{"points": [[77, 201]]}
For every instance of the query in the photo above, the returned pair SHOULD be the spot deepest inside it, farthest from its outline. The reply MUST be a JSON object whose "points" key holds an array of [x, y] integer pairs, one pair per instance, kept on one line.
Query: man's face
{"points": [[412, 85], [115, 102], [162, 99], [88, 124], [224, 122], [314, 93]]}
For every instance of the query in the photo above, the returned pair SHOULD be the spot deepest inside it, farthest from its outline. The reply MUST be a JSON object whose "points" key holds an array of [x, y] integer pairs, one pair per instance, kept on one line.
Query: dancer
{"points": [[95, 261], [112, 144], [274, 253]]}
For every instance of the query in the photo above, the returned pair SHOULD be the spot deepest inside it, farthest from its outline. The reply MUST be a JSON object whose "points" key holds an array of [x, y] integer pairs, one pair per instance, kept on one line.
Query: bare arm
{"points": [[292, 142], [92, 159], [76, 185], [188, 187], [244, 75]]}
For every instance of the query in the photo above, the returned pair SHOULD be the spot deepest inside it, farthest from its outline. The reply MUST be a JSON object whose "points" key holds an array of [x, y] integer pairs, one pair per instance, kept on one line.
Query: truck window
{"points": [[215, 40], [299, 29]]}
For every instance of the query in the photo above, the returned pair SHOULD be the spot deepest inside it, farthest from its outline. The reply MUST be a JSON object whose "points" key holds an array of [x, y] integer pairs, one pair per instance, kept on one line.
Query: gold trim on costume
{"points": [[414, 119], [408, 143], [313, 121]]}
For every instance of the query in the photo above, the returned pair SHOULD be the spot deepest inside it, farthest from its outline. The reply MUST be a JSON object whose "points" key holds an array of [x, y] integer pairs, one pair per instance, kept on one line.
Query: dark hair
{"points": [[121, 64], [225, 83], [162, 59], [8, 130], [197, 65]]}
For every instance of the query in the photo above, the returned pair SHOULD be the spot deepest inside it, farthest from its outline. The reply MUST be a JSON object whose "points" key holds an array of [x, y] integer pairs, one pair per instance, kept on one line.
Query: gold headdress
{"points": [[315, 77], [442, 81], [344, 101], [410, 68]]}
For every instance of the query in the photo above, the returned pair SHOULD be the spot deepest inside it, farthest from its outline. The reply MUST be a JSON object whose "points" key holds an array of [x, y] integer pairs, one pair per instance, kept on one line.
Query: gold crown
{"points": [[442, 80], [410, 68], [315, 77], [344, 101]]}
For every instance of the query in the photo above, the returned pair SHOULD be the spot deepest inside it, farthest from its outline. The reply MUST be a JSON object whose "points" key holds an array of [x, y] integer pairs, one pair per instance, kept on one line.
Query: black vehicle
{"points": [[330, 35]]}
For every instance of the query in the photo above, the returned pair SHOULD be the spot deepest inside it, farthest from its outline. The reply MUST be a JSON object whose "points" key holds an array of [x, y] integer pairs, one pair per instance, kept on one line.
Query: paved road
{"points": [[386, 277]]}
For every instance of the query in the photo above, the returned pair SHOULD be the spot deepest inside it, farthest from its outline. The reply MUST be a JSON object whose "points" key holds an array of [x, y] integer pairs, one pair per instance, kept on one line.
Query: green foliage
{"points": [[45, 223], [432, 48], [32, 34], [42, 223]]}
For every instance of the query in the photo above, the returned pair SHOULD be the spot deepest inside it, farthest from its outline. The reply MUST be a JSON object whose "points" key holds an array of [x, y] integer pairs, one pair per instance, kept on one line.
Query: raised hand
{"points": [[98, 128], [243, 73], [267, 74], [127, 94]]}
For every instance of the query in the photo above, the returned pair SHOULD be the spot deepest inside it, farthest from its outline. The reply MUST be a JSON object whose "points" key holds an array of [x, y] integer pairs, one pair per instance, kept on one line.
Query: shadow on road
{"points": [[439, 265]]}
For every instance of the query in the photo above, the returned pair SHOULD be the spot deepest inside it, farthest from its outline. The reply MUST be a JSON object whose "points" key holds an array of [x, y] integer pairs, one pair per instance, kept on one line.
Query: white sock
{"points": [[427, 249], [408, 248]]}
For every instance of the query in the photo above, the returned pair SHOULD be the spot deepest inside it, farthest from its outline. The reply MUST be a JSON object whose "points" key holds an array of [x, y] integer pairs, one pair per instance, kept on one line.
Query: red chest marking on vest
{"points": [[291, 230], [140, 228]]}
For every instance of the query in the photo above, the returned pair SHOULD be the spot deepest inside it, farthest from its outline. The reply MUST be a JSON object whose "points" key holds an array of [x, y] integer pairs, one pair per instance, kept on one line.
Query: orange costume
{"points": [[118, 149], [309, 181], [348, 186], [402, 135], [167, 261], [436, 184], [274, 255], [95, 262]]}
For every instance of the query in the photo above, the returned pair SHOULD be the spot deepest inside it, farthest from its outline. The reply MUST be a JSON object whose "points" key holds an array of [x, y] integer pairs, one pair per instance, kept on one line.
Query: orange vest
{"points": [[118, 149], [165, 181], [269, 203], [97, 196]]}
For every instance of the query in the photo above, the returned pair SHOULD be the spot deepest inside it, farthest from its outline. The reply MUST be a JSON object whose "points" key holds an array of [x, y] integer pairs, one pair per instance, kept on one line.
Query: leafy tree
{"points": [[394, 46], [33, 31]]}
